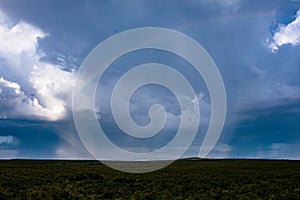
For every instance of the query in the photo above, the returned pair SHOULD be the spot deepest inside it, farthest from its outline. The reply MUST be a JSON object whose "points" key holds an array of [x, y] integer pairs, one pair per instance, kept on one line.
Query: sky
{"points": [[255, 45]]}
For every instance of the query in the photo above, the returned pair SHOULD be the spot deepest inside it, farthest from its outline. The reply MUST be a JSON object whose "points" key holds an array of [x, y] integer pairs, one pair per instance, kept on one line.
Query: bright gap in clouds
{"points": [[30, 88]]}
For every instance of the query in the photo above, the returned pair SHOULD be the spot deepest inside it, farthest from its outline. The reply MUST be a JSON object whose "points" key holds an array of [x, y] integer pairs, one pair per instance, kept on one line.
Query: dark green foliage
{"points": [[184, 179]]}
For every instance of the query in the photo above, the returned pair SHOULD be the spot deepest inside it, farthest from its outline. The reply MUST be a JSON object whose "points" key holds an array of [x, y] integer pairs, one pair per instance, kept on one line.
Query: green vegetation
{"points": [[184, 179]]}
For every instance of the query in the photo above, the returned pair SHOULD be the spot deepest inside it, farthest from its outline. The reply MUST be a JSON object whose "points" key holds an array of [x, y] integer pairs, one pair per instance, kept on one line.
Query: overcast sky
{"points": [[255, 44]]}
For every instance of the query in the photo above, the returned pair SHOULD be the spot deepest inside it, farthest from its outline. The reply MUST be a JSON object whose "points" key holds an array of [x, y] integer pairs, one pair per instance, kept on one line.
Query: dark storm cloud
{"points": [[263, 125], [234, 32]]}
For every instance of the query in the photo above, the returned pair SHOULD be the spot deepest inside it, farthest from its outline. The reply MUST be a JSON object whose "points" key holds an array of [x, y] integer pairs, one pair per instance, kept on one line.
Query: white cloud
{"points": [[16, 104], [20, 38], [7, 139], [53, 86], [30, 87], [289, 34], [6, 144]]}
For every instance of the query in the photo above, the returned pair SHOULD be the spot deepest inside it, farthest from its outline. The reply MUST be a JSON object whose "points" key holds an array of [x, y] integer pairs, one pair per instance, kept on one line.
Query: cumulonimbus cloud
{"points": [[30, 88]]}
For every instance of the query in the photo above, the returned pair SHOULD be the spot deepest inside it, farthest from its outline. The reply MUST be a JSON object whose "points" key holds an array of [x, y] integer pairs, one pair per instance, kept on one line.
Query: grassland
{"points": [[184, 179]]}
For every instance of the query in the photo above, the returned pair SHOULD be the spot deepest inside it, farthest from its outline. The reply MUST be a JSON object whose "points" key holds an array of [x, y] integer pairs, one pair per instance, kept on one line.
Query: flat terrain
{"points": [[184, 179]]}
